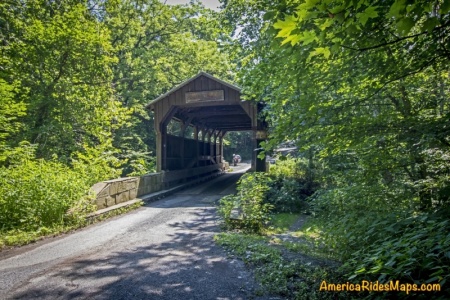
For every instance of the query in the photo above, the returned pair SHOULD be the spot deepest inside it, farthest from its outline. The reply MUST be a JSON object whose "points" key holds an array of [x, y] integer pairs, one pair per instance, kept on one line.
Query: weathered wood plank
{"points": [[197, 84]]}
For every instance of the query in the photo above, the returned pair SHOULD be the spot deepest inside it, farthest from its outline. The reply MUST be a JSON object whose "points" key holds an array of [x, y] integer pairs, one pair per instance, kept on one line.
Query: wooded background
{"points": [[360, 87]]}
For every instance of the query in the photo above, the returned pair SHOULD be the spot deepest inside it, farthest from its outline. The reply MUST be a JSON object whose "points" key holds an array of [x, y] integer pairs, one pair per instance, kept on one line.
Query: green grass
{"points": [[274, 261], [309, 230], [281, 222], [253, 249]]}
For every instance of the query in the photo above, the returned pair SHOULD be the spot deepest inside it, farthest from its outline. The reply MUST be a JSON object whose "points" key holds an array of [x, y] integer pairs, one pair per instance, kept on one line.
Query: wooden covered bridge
{"points": [[191, 121]]}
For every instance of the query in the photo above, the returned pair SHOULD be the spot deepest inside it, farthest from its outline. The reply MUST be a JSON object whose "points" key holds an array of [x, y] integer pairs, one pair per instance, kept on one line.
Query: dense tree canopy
{"points": [[74, 79], [362, 87], [85, 70], [59, 57], [364, 84]]}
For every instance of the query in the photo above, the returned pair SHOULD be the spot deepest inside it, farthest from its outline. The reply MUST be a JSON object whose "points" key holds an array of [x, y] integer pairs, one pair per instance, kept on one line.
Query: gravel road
{"points": [[163, 250]]}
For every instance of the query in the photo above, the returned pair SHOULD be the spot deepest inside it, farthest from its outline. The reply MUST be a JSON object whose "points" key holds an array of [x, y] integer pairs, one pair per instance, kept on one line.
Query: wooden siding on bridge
{"points": [[177, 96], [210, 106]]}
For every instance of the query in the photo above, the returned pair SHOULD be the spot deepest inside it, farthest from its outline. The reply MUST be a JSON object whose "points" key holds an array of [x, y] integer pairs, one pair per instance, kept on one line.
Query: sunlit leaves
{"points": [[367, 98], [61, 57], [321, 50], [324, 25], [11, 111], [308, 4], [369, 12], [286, 26]]}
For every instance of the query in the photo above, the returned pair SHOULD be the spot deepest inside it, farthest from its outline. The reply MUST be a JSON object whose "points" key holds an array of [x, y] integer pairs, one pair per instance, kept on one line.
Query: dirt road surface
{"points": [[163, 250]]}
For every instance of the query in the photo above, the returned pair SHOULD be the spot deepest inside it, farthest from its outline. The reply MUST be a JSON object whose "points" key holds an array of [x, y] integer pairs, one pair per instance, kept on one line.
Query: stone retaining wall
{"points": [[112, 192]]}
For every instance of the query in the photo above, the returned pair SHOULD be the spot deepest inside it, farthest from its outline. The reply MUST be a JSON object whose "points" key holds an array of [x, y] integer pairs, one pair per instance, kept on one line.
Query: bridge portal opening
{"points": [[192, 120], [238, 142]]}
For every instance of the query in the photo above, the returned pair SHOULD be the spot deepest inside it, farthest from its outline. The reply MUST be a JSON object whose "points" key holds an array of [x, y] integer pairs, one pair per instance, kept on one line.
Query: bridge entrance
{"points": [[192, 119]]}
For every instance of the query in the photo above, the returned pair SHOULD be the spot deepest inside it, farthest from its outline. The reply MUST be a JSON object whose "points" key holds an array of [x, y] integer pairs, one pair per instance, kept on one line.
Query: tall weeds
{"points": [[38, 193]]}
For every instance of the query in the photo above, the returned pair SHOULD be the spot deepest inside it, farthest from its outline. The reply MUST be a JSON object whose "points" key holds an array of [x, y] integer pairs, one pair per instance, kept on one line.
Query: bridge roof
{"points": [[207, 102]]}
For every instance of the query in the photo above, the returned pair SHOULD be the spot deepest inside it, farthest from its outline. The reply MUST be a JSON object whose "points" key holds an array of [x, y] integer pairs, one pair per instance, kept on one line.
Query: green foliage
{"points": [[11, 110], [288, 168], [346, 213], [379, 237], [363, 87], [41, 194], [247, 209], [237, 142], [284, 189], [327, 25], [59, 55], [293, 183], [280, 275], [287, 195], [229, 211], [139, 164], [414, 250]]}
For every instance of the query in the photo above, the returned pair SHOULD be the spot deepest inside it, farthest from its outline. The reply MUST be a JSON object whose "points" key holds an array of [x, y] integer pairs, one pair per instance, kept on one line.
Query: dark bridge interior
{"points": [[205, 109], [223, 117]]}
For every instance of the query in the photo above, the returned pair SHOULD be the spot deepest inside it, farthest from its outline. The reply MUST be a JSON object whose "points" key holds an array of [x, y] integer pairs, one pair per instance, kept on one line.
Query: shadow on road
{"points": [[187, 266]]}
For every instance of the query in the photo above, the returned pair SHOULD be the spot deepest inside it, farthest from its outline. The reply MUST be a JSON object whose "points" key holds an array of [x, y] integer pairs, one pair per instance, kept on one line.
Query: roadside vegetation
{"points": [[294, 238], [267, 225], [362, 88], [74, 79]]}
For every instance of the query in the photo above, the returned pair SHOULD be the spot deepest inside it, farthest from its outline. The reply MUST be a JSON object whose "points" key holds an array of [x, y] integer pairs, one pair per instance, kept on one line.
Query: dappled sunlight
{"points": [[154, 270]]}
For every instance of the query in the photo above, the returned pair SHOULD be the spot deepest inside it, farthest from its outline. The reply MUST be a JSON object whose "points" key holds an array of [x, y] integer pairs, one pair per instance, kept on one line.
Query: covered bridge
{"points": [[191, 121]]}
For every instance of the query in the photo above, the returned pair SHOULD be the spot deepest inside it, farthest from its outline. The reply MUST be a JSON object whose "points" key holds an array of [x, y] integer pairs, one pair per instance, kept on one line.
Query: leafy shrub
{"points": [[289, 167], [36, 193], [97, 164], [289, 195], [293, 183], [10, 112], [375, 231], [139, 164], [228, 207], [284, 189], [247, 210], [414, 250], [350, 216]]}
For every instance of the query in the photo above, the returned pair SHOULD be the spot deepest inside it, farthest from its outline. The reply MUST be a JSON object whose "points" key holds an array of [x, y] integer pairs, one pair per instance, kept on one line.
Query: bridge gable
{"points": [[202, 84]]}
